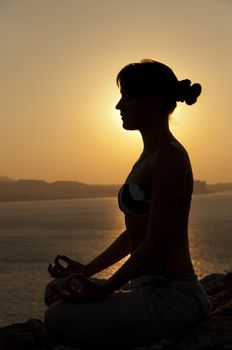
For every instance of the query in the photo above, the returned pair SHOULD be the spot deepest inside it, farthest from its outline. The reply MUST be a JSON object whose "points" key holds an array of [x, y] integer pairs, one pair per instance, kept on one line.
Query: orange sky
{"points": [[59, 60]]}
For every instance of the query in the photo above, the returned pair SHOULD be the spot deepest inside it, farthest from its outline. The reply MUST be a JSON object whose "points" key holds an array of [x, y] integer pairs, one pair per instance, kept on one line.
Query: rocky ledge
{"points": [[214, 333]]}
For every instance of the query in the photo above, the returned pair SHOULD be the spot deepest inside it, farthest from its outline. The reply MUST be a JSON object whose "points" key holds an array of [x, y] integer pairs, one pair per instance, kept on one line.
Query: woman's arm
{"points": [[118, 250], [91, 289]]}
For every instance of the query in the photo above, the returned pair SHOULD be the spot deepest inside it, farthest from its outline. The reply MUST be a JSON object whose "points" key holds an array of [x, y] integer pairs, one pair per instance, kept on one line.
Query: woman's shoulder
{"points": [[171, 150], [172, 145], [171, 156]]}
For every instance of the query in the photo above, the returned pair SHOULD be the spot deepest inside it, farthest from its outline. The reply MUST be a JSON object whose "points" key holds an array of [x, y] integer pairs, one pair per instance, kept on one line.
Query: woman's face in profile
{"points": [[135, 111]]}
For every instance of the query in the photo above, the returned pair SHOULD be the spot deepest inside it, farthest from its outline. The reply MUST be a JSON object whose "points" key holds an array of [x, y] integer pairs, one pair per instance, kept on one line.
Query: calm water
{"points": [[33, 233]]}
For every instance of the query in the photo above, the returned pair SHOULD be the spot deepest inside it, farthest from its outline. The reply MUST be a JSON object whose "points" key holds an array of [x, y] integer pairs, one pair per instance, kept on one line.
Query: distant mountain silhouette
{"points": [[200, 187], [26, 190], [218, 187], [22, 190], [5, 179]]}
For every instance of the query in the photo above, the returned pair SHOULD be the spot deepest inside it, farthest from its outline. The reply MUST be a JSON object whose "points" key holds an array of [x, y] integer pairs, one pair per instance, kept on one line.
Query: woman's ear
{"points": [[157, 103]]}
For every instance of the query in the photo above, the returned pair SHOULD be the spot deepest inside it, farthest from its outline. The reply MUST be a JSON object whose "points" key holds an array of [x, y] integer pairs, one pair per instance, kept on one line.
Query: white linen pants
{"points": [[146, 309]]}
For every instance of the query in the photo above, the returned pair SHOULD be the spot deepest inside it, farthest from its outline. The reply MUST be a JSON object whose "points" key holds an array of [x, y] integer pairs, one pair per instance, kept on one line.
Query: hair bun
{"points": [[186, 92]]}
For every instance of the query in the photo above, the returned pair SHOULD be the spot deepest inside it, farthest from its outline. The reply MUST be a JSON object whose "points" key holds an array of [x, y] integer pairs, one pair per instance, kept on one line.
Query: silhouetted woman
{"points": [[155, 293]]}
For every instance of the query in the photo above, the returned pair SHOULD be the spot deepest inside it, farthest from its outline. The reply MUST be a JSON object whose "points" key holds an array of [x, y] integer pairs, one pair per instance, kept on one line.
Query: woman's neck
{"points": [[154, 136]]}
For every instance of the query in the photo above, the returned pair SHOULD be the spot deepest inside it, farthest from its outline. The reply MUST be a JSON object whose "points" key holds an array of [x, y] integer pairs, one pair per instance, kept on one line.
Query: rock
{"points": [[28, 335], [214, 333]]}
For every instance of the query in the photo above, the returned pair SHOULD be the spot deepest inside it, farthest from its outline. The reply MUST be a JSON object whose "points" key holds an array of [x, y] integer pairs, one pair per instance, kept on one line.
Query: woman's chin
{"points": [[128, 126]]}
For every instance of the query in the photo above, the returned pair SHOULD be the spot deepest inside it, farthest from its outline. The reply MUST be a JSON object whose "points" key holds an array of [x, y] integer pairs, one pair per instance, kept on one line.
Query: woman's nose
{"points": [[118, 104]]}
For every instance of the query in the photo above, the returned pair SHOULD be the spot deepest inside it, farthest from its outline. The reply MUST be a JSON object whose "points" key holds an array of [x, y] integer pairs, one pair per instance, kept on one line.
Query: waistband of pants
{"points": [[182, 277], [167, 279]]}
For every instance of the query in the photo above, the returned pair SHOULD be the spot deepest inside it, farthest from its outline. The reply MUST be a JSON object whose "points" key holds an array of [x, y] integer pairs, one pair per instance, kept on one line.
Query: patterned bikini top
{"points": [[134, 199]]}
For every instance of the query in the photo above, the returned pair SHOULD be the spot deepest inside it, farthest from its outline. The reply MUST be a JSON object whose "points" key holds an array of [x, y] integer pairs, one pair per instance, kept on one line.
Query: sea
{"points": [[33, 233]]}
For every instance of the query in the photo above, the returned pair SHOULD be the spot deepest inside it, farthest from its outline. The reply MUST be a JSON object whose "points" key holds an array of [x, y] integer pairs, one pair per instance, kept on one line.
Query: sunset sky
{"points": [[59, 60]]}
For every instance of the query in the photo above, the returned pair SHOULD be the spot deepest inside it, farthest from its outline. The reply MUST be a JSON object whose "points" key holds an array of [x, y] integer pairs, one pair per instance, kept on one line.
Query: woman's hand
{"points": [[58, 270], [89, 290]]}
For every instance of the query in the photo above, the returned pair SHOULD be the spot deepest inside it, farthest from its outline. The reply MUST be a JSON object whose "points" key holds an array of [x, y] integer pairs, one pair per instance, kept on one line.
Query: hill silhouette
{"points": [[21, 190], [5, 179], [27, 190]]}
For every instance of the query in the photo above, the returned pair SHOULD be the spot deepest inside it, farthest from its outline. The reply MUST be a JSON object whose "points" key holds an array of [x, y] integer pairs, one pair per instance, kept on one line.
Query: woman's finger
{"points": [[69, 284], [54, 271], [57, 259], [65, 258], [58, 264], [51, 270], [61, 292]]}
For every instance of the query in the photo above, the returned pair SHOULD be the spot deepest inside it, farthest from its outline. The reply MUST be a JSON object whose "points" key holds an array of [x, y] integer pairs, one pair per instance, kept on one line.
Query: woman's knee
{"points": [[65, 324], [50, 297], [53, 321]]}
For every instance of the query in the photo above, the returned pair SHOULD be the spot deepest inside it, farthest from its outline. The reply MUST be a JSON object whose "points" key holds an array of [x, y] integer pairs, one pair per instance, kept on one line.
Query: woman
{"points": [[155, 293]]}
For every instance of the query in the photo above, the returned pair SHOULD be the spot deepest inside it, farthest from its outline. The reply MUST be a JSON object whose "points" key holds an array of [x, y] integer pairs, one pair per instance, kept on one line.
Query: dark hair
{"points": [[148, 78]]}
